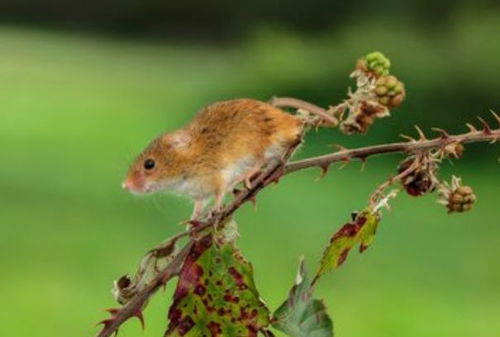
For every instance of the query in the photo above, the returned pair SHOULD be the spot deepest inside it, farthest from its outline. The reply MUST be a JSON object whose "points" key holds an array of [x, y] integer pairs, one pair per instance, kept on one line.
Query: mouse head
{"points": [[157, 166]]}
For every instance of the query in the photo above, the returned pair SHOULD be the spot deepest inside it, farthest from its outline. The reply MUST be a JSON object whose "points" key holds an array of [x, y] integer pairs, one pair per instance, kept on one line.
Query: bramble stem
{"points": [[405, 147], [290, 102]]}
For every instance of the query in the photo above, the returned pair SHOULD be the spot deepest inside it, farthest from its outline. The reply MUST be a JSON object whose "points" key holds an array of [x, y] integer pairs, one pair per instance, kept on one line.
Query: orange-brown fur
{"points": [[222, 139]]}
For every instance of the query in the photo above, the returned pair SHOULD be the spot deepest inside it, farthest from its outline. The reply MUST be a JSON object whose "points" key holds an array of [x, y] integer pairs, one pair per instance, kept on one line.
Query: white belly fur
{"points": [[234, 173], [193, 188], [231, 175]]}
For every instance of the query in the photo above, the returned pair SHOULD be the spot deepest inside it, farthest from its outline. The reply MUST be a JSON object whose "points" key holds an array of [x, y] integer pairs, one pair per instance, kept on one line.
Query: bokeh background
{"points": [[85, 85]]}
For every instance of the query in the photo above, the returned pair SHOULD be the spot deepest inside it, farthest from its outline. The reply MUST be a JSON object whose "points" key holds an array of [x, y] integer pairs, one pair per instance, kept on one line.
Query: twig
{"points": [[289, 102], [406, 147]]}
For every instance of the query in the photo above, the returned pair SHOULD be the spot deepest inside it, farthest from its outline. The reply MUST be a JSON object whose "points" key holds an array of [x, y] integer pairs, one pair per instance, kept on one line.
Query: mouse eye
{"points": [[149, 164]]}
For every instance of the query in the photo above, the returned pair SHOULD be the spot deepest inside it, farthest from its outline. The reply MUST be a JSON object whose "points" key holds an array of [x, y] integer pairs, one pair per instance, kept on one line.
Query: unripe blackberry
{"points": [[374, 63], [390, 91], [419, 181], [461, 199], [456, 197]]}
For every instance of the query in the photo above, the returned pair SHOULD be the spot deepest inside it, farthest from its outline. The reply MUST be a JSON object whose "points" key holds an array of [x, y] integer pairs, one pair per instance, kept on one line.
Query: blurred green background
{"points": [[83, 87]]}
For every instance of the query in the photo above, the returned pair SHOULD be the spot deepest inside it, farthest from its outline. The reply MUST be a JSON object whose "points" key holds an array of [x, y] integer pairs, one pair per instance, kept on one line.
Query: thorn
{"points": [[253, 200], [486, 127], [195, 223], [442, 133], [471, 127], [363, 163], [410, 139], [113, 311], [236, 191], [339, 147], [140, 316], [106, 322], [420, 133], [346, 162], [276, 178], [324, 170], [496, 116]]}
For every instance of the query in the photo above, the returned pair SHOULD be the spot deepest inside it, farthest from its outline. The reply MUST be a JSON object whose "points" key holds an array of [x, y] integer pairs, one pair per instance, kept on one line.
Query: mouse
{"points": [[225, 144]]}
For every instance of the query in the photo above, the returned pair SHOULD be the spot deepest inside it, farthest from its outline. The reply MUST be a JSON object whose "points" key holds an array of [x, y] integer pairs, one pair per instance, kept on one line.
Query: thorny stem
{"points": [[405, 147], [134, 307]]}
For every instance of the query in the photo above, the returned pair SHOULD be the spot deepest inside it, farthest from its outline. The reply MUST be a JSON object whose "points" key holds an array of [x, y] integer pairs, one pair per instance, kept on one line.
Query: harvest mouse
{"points": [[226, 143]]}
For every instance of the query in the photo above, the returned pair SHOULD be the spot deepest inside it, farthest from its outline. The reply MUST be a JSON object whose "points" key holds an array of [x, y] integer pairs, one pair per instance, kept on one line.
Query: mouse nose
{"points": [[128, 185]]}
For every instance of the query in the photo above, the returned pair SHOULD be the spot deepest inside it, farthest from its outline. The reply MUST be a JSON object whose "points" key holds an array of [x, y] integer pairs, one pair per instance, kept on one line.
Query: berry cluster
{"points": [[457, 197], [461, 199], [419, 177], [377, 92], [390, 91]]}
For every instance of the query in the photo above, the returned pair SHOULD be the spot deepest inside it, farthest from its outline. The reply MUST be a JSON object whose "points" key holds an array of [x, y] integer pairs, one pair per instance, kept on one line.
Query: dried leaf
{"points": [[301, 315], [361, 230], [125, 288], [216, 294]]}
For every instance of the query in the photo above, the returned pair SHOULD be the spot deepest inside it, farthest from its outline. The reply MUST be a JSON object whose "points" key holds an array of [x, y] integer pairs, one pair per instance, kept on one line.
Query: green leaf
{"points": [[301, 315], [361, 230], [216, 294]]}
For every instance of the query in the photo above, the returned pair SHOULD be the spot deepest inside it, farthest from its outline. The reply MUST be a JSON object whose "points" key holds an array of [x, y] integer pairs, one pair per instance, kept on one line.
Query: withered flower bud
{"points": [[421, 180]]}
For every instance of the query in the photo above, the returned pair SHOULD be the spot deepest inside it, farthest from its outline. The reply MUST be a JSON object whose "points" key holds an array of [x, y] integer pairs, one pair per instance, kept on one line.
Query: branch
{"points": [[491, 135]]}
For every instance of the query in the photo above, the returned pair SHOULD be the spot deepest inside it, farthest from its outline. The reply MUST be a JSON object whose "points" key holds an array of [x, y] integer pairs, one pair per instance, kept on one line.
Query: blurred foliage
{"points": [[75, 108], [226, 19], [301, 315]]}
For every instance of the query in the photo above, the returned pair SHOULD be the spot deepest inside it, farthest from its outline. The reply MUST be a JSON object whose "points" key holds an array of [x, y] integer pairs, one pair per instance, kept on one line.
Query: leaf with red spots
{"points": [[216, 294], [301, 315], [361, 230]]}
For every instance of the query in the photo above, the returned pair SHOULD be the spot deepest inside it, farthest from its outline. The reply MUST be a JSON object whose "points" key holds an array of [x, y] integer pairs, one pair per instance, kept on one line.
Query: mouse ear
{"points": [[180, 139]]}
